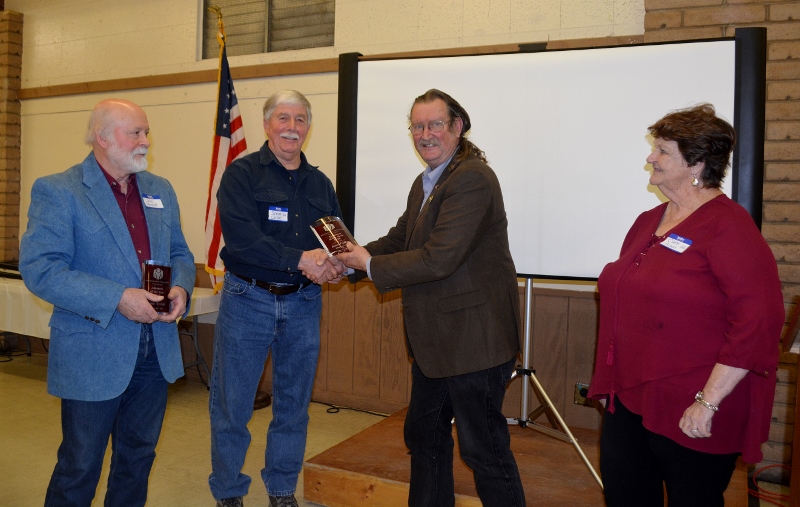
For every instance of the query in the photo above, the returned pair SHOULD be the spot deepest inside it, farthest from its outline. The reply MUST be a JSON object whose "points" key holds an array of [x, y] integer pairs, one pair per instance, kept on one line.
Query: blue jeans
{"points": [[252, 322], [133, 419], [476, 401]]}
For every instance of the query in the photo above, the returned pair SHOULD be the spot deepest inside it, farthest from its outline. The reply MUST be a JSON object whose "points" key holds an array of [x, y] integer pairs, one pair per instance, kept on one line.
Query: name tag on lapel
{"points": [[152, 201]]}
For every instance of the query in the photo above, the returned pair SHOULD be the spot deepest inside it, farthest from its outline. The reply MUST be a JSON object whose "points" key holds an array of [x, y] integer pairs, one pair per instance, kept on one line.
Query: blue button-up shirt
{"points": [[263, 241]]}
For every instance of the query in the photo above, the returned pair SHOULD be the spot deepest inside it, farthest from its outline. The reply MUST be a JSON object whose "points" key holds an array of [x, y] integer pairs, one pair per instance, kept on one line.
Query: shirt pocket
{"points": [[319, 208]]}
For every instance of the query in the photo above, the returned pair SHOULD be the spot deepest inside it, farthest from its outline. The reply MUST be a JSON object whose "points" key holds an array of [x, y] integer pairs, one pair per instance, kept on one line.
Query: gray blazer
{"points": [[78, 255], [460, 292]]}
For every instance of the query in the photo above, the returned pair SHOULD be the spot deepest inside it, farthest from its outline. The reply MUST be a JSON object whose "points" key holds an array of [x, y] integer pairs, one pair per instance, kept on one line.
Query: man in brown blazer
{"points": [[449, 254]]}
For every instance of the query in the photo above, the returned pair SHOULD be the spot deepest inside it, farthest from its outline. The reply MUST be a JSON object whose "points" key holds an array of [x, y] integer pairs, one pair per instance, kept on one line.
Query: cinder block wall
{"points": [[10, 72], [667, 20]]}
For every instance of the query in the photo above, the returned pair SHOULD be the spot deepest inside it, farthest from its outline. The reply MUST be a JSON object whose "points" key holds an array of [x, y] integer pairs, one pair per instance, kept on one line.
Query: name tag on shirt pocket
{"points": [[278, 214], [677, 243]]}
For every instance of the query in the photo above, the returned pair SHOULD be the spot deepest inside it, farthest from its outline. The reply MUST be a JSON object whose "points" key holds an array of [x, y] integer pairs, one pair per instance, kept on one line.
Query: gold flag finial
{"points": [[220, 25]]}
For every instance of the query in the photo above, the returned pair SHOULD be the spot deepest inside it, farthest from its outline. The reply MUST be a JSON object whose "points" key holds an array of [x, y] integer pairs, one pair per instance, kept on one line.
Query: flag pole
{"points": [[228, 145]]}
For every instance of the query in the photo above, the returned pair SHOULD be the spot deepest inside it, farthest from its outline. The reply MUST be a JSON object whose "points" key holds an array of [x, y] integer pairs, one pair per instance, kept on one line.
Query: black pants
{"points": [[636, 464], [476, 400]]}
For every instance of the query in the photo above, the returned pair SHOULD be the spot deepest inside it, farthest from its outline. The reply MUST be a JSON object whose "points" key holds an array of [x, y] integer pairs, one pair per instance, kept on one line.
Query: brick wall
{"points": [[667, 20], [10, 73]]}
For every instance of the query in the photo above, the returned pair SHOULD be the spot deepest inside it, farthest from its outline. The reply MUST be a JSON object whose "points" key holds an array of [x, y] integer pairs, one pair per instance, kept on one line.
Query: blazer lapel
{"points": [[153, 217], [419, 193], [415, 198], [102, 198]]}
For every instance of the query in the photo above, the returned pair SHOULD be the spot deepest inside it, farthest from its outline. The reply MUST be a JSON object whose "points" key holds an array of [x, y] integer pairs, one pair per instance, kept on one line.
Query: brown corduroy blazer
{"points": [[452, 261]]}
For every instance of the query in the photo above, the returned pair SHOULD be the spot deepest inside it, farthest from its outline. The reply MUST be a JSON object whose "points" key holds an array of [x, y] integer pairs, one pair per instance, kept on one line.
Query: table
{"points": [[27, 315]]}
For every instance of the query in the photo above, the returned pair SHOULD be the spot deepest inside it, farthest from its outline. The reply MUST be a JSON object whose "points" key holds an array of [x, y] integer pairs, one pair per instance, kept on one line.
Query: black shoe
{"points": [[263, 399], [234, 501], [283, 501]]}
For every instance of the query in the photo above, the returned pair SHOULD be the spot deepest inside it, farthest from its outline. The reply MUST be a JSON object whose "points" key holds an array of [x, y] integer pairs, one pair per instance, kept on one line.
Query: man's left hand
{"points": [[178, 298]]}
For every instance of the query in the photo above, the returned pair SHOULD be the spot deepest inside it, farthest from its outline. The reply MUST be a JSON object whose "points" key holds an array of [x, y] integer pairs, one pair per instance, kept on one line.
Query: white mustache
{"points": [[290, 135], [140, 151]]}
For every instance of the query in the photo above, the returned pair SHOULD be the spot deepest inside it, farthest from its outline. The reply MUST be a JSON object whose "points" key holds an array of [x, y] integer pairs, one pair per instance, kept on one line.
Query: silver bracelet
{"points": [[698, 398]]}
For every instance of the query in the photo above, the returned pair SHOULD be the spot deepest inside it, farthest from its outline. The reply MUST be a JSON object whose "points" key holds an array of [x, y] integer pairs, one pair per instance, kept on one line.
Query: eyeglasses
{"points": [[434, 126]]}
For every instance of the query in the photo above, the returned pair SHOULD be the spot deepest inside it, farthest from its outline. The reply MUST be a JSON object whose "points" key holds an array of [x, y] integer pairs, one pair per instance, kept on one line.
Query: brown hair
{"points": [[454, 110], [701, 136]]}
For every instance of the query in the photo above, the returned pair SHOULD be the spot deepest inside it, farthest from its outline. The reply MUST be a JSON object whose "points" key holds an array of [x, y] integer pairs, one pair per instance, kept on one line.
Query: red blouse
{"points": [[666, 318]]}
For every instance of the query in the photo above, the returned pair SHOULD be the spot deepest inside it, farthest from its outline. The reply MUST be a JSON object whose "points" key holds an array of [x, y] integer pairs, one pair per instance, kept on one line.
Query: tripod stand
{"points": [[528, 419]]}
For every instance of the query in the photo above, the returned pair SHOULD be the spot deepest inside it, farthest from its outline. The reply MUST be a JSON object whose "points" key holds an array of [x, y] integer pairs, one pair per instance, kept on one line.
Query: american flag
{"points": [[229, 145]]}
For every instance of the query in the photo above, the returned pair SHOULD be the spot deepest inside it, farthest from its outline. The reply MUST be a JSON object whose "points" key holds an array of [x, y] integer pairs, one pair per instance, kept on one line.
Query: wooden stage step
{"points": [[372, 469]]}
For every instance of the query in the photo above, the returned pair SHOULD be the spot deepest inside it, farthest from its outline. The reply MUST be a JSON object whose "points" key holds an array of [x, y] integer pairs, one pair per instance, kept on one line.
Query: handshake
{"points": [[320, 268], [340, 251]]}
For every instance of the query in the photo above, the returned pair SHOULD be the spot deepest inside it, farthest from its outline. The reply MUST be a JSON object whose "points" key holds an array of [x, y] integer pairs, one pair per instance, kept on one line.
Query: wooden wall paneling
{"points": [[367, 341], [341, 332], [395, 365], [581, 345], [549, 347], [321, 377], [512, 402], [513, 399]]}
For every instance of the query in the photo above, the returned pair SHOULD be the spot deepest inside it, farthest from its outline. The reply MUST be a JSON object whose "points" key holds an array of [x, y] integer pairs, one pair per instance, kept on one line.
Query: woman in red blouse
{"points": [[690, 320]]}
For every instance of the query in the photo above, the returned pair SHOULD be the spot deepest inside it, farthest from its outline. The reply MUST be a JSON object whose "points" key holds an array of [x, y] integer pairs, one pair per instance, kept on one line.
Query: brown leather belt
{"points": [[273, 288]]}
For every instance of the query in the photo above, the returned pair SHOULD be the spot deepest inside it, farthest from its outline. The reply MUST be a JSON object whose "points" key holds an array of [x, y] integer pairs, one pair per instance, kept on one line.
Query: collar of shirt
{"points": [[430, 177], [130, 205], [269, 159], [116, 186]]}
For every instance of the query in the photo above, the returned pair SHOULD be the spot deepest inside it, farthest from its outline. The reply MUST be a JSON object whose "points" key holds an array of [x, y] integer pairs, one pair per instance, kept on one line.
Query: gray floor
{"points": [[30, 432]]}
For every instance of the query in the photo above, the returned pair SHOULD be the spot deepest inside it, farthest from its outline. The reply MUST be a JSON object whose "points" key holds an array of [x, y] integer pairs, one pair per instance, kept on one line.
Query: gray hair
{"points": [[100, 122], [291, 97]]}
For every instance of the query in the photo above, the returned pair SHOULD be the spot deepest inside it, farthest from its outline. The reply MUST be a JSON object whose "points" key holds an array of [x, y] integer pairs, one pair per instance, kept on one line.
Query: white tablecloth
{"points": [[26, 314]]}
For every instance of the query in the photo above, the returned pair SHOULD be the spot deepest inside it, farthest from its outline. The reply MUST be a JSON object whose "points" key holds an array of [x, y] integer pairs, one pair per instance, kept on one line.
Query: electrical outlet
{"points": [[581, 390]]}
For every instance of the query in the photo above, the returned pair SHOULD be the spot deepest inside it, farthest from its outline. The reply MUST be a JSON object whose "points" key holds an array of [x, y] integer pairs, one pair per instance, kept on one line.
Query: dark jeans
{"points": [[476, 401], [636, 464], [133, 419]]}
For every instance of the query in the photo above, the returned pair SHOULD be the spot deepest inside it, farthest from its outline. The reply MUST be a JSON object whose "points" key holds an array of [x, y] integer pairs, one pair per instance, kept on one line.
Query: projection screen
{"points": [[565, 131]]}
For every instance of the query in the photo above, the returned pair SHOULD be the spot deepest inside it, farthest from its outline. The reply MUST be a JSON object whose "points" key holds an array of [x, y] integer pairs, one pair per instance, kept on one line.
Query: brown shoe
{"points": [[263, 399]]}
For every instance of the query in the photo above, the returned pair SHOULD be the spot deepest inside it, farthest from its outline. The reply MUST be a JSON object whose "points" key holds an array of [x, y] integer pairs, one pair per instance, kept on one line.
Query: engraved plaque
{"points": [[333, 234], [155, 280]]}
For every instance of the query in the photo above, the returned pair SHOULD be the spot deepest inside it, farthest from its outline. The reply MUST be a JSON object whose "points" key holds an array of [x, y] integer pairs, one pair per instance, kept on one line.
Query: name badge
{"points": [[277, 214], [152, 201], [677, 243]]}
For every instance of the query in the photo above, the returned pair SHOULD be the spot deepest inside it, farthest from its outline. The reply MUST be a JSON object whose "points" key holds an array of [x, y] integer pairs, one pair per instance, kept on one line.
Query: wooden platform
{"points": [[371, 469]]}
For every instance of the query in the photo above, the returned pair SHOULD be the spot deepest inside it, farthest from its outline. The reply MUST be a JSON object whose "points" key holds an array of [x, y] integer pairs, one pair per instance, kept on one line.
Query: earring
{"points": [[695, 181]]}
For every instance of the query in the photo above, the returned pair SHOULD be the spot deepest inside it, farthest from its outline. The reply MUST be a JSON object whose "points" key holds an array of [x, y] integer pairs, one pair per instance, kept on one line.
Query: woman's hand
{"points": [[696, 421]]}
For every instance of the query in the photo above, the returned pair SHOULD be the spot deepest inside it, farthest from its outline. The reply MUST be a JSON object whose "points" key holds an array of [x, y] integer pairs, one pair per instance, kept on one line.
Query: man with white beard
{"points": [[90, 229]]}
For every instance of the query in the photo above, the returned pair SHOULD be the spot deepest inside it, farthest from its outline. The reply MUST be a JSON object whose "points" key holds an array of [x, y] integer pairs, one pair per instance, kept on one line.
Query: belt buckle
{"points": [[282, 290]]}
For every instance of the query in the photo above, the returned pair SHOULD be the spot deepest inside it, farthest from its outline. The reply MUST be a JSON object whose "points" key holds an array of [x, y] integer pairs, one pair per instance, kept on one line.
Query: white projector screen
{"points": [[565, 131]]}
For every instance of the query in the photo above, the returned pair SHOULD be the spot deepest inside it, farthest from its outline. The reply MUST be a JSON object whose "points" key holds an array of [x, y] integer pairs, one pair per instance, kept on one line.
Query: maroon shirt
{"points": [[130, 205], [667, 318]]}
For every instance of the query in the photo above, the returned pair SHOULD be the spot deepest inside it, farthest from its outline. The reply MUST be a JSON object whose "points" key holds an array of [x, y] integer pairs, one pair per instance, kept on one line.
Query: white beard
{"points": [[128, 161]]}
